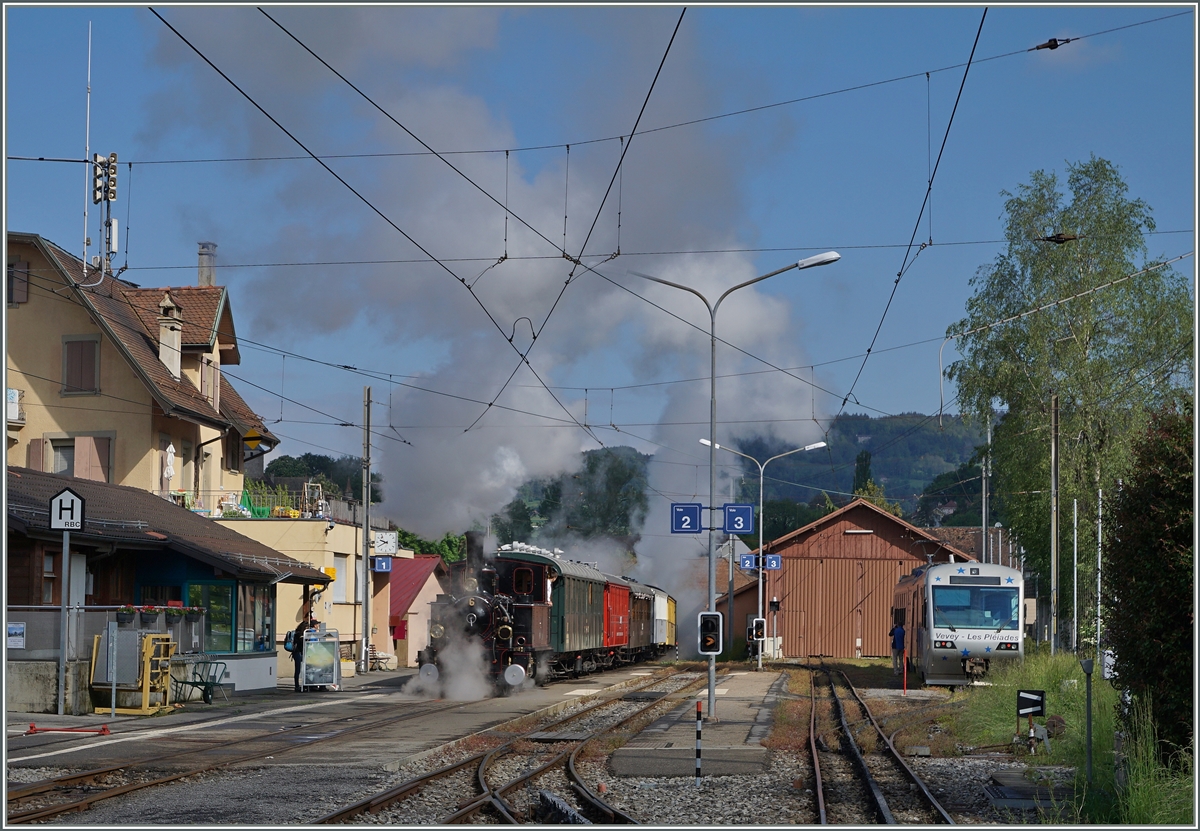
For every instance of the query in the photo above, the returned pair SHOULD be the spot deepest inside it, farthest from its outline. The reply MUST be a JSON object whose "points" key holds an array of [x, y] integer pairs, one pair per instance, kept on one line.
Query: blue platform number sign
{"points": [[739, 519], [747, 562], [774, 562], [685, 517]]}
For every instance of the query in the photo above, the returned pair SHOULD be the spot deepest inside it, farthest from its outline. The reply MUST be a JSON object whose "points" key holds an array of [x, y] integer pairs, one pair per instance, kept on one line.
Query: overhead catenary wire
{"points": [[360, 196], [665, 127], [924, 202]]}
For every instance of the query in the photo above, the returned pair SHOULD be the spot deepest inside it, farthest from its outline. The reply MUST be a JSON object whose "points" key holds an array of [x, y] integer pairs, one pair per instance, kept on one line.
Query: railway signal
{"points": [[710, 633], [760, 628]]}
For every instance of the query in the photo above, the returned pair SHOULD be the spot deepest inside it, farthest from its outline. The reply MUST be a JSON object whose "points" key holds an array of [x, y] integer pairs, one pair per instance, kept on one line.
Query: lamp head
{"points": [[819, 259]]}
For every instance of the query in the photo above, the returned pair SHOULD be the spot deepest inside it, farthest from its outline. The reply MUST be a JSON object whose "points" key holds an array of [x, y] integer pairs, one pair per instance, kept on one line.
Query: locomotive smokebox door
{"points": [[514, 675], [429, 673]]}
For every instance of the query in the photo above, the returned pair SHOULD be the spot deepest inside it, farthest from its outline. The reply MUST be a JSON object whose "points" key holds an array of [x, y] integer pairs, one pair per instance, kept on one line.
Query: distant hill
{"points": [[908, 452], [910, 455]]}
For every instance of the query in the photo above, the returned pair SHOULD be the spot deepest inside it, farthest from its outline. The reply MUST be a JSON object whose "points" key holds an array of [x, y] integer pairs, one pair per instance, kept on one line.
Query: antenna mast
{"points": [[87, 150]]}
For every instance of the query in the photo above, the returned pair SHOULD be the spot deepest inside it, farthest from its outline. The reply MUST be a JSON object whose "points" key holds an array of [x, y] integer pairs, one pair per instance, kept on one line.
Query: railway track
{"points": [[499, 781], [859, 775], [78, 791]]}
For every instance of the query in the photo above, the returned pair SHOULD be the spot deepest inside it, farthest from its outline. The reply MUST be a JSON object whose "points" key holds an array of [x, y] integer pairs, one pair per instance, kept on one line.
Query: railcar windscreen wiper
{"points": [[936, 610]]}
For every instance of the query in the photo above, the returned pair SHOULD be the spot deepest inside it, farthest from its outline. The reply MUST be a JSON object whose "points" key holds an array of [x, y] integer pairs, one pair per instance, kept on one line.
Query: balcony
{"points": [[15, 413]]}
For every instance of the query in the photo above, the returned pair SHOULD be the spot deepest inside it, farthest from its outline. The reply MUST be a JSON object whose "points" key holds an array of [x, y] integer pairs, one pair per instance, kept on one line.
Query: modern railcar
{"points": [[960, 619]]}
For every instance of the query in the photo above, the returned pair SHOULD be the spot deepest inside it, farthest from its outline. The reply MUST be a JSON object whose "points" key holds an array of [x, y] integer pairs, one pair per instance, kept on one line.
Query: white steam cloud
{"points": [[678, 191]]}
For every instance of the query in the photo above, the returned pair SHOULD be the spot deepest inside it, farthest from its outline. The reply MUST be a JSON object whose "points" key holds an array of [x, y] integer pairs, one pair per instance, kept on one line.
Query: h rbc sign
{"points": [[66, 511]]}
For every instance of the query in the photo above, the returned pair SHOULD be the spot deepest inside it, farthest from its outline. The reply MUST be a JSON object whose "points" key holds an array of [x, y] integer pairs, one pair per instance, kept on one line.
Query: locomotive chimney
{"points": [[474, 552]]}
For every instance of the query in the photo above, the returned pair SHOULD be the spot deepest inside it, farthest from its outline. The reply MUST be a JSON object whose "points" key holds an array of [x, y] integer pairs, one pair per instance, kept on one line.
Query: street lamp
{"points": [[762, 467], [808, 262]]}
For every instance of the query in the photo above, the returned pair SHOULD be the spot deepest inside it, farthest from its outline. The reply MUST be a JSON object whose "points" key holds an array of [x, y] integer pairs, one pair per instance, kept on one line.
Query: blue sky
{"points": [[709, 204]]}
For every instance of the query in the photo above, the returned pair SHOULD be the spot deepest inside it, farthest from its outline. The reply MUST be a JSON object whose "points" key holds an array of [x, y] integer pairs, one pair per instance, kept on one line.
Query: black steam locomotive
{"points": [[523, 613]]}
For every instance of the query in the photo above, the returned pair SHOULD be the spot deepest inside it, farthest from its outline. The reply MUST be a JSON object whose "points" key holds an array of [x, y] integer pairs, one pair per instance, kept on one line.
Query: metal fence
{"points": [[35, 632]]}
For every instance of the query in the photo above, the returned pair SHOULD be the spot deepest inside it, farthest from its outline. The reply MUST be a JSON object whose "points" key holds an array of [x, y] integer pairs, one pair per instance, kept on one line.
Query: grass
{"points": [[1152, 793], [1155, 794]]}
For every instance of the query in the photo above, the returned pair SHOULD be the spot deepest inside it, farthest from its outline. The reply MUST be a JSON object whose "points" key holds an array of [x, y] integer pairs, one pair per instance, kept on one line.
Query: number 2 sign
{"points": [[685, 517]]}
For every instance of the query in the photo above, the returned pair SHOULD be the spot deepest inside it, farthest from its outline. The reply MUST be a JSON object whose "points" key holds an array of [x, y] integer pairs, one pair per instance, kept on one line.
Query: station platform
{"points": [[730, 739], [18, 723]]}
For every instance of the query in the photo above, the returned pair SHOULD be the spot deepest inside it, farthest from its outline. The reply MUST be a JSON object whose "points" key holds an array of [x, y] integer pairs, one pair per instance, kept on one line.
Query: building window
{"points": [[255, 615], [64, 456], [217, 598], [49, 578], [81, 365], [233, 451], [342, 562], [18, 283]]}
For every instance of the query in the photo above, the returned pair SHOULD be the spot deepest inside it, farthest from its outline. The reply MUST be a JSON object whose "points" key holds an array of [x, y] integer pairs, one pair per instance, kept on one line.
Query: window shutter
{"points": [[36, 454], [88, 364], [79, 366], [18, 284], [91, 458], [72, 365]]}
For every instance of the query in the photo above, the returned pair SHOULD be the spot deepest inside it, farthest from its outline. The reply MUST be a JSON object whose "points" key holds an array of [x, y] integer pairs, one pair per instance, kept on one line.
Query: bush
{"points": [[1149, 577]]}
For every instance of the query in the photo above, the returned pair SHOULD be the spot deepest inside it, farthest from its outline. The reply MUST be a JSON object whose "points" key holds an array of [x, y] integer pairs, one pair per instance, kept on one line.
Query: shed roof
{"points": [[864, 508], [134, 518], [409, 576]]}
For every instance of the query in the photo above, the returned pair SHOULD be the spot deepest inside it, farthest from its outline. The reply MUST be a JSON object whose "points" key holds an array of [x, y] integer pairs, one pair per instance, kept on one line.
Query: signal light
{"points": [[98, 170], [760, 628], [710, 633], [110, 193]]}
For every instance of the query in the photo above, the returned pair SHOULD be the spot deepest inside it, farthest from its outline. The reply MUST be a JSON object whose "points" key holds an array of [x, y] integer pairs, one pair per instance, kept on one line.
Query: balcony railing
{"points": [[272, 505], [14, 412]]}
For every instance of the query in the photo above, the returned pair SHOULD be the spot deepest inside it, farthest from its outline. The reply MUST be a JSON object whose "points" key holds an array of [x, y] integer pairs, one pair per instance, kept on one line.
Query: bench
{"points": [[205, 676], [377, 660]]}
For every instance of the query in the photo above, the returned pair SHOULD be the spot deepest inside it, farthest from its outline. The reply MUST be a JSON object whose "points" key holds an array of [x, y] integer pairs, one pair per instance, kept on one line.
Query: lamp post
{"points": [[808, 262], [762, 468]]}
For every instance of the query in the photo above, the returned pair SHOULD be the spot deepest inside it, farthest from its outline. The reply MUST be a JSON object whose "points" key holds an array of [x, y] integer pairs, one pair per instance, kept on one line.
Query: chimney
{"points": [[170, 327], [206, 272]]}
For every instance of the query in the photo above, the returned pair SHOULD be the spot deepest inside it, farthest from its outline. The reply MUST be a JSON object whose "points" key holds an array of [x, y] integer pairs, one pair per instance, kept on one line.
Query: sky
{"points": [[763, 136]]}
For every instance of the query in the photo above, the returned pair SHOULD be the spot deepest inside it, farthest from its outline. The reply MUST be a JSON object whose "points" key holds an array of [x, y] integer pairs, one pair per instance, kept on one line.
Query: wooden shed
{"points": [[835, 586]]}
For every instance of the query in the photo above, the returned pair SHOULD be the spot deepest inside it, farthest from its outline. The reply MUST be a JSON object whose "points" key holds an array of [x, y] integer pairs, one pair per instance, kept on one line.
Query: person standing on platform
{"points": [[298, 647], [897, 636]]}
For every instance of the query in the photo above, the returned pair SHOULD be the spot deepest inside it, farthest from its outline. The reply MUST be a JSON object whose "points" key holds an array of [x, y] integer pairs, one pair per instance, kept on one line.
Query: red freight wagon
{"points": [[616, 613]]}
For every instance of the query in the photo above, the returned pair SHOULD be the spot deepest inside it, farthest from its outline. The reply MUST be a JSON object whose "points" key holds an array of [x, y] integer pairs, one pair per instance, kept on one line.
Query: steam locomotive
{"points": [[959, 619], [528, 614]]}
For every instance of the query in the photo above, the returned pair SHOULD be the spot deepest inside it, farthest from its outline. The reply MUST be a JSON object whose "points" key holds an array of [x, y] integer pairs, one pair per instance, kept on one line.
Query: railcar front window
{"points": [[977, 607]]}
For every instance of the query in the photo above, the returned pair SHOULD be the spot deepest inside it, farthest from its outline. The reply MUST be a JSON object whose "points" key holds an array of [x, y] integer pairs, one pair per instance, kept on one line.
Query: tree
{"points": [[1069, 320], [862, 470], [1149, 573], [515, 525], [874, 494], [782, 517], [286, 466], [606, 498], [963, 487]]}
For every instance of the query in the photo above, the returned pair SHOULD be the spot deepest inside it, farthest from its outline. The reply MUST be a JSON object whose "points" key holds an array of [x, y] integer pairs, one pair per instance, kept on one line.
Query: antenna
{"points": [[87, 134]]}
